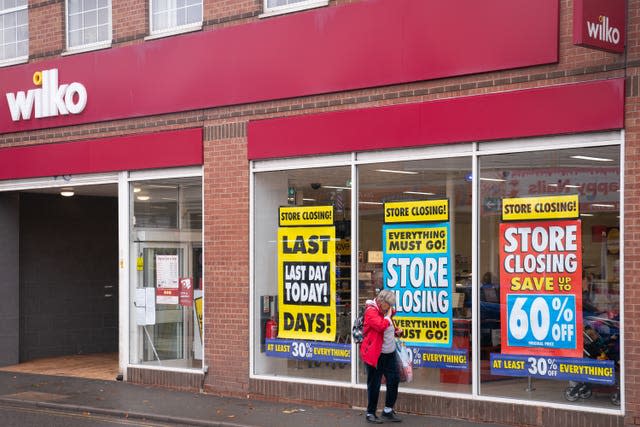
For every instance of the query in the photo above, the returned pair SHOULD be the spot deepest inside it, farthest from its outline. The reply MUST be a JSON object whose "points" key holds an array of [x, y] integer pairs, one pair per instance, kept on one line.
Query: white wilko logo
{"points": [[50, 100], [602, 31]]}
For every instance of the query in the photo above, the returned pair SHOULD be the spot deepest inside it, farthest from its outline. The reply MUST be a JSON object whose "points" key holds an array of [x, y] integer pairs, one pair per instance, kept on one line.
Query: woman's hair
{"points": [[386, 296]]}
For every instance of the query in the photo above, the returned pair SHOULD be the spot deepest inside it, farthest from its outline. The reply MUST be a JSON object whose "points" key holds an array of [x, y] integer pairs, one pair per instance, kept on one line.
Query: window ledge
{"points": [[281, 10], [86, 48], [14, 61], [175, 31]]}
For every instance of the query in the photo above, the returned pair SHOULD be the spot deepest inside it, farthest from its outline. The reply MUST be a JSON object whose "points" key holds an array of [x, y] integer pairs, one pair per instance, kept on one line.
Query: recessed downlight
{"points": [[594, 159], [420, 193], [397, 171]]}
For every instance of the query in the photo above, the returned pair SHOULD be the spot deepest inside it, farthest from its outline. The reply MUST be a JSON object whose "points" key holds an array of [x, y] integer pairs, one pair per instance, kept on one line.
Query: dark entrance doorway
{"points": [[67, 279]]}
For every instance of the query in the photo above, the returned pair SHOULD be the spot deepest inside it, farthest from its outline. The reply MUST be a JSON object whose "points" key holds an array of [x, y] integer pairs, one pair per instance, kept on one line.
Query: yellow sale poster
{"points": [[306, 283]]}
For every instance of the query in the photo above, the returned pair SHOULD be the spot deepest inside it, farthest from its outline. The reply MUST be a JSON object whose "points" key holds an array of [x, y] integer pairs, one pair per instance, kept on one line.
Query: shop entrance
{"points": [[63, 281]]}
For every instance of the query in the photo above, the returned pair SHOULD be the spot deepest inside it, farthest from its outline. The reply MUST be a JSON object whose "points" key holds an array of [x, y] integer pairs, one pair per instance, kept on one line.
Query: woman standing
{"points": [[378, 352]]}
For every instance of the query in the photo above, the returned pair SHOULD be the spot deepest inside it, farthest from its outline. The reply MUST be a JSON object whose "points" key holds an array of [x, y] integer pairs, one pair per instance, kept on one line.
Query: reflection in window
{"points": [[419, 181], [167, 15], [156, 204], [298, 189], [593, 176], [284, 6], [14, 30], [88, 22], [166, 273]]}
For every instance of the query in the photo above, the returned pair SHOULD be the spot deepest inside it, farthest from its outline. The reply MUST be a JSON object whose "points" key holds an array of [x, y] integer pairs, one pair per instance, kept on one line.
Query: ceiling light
{"points": [[586, 214], [419, 193], [572, 186], [67, 192], [552, 185], [371, 203], [161, 186], [336, 187], [137, 189], [493, 179], [308, 200], [395, 171], [143, 198], [603, 205], [595, 159]]}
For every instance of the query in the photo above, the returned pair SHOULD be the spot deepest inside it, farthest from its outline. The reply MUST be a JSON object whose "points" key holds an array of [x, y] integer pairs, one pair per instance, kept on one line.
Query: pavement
{"points": [[131, 401]]}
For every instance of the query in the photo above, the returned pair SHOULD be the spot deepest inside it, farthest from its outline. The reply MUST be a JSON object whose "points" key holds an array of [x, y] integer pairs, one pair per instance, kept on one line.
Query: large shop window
{"points": [[302, 248], [549, 261], [166, 273], [14, 31], [88, 23], [538, 284], [415, 239]]}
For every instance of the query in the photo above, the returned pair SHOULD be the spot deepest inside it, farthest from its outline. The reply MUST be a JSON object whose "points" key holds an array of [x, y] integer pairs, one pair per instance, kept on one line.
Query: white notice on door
{"points": [[167, 271]]}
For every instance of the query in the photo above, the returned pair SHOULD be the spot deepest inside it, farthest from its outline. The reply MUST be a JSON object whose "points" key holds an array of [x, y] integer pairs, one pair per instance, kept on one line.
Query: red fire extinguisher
{"points": [[271, 329]]}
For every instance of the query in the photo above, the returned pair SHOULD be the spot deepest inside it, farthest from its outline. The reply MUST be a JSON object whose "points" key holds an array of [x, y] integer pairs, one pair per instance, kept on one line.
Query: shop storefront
{"points": [[474, 158], [157, 293], [504, 255]]}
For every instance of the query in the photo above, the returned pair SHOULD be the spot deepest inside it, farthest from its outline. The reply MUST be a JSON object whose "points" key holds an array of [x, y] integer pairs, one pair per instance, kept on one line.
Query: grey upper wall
{"points": [[9, 278]]}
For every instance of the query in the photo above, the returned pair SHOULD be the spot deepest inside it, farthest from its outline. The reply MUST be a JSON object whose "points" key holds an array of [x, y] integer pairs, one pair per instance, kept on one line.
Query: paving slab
{"points": [[183, 408]]}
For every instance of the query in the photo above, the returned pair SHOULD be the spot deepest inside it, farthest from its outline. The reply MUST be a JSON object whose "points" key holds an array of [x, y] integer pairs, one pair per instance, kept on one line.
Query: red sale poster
{"points": [[186, 292], [541, 287]]}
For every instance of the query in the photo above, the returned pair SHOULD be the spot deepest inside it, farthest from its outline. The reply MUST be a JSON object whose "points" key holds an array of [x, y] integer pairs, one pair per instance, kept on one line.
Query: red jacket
{"points": [[374, 327]]}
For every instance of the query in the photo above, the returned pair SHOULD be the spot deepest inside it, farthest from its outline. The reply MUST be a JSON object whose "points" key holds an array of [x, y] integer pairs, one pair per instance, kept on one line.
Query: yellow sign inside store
{"points": [[421, 330], [307, 283], [426, 240], [295, 216], [416, 211], [198, 304], [343, 246], [546, 207]]}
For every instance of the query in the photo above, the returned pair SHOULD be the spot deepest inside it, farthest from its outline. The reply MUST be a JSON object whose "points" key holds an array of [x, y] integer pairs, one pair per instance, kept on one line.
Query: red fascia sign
{"points": [[563, 109], [599, 24], [155, 150], [352, 46]]}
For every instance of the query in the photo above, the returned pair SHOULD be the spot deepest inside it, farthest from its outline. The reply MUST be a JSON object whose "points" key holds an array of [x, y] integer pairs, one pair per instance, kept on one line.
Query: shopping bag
{"points": [[404, 360]]}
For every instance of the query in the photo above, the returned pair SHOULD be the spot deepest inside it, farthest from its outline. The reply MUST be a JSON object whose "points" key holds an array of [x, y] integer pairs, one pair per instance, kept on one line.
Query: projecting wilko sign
{"points": [[48, 99], [599, 24]]}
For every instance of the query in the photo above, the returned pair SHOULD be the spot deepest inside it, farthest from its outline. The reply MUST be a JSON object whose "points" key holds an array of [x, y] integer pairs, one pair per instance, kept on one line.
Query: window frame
{"points": [[125, 215], [17, 59], [476, 151], [90, 46], [178, 29], [290, 8]]}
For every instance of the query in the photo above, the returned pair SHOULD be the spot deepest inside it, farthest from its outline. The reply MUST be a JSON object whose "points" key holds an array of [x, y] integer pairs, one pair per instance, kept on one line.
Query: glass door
{"points": [[168, 333], [166, 273]]}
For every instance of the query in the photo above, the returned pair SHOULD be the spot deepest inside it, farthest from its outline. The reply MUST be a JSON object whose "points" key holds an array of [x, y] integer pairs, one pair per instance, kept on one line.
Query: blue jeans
{"points": [[386, 366]]}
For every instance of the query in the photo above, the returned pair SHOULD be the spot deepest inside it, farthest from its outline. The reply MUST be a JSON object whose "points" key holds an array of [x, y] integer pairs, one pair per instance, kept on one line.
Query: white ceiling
{"points": [[104, 190]]}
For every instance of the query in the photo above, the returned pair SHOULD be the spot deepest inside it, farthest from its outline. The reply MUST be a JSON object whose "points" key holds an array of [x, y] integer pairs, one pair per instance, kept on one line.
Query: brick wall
{"points": [[226, 217], [46, 28], [632, 248], [130, 20], [226, 193]]}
